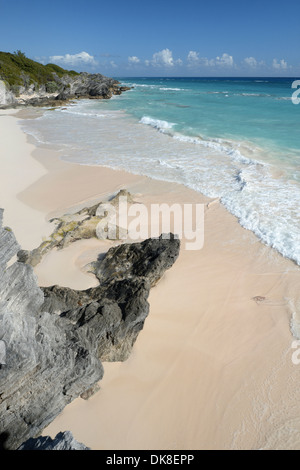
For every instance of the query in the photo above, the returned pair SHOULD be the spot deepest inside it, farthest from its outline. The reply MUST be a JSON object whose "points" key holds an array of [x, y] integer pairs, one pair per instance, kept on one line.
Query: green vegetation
{"points": [[17, 70]]}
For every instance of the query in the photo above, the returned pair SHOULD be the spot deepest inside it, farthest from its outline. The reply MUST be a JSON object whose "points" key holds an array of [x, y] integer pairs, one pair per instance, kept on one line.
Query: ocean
{"points": [[237, 139]]}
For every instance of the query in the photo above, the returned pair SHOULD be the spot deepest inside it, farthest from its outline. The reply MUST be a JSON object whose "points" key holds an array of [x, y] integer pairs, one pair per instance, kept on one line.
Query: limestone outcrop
{"points": [[80, 225], [56, 338]]}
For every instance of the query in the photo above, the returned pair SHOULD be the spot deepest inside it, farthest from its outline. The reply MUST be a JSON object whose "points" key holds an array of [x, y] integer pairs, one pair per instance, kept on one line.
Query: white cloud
{"points": [[74, 59], [147, 63], [207, 62], [251, 62], [281, 64], [163, 58], [113, 64], [225, 60], [133, 60], [193, 58]]}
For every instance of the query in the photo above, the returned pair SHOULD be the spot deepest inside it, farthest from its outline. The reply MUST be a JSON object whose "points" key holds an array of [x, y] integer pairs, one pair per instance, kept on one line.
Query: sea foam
{"points": [[157, 123], [207, 146]]}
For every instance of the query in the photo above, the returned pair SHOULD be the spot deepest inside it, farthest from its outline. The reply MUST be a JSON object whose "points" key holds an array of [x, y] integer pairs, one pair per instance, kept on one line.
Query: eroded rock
{"points": [[80, 225], [56, 337]]}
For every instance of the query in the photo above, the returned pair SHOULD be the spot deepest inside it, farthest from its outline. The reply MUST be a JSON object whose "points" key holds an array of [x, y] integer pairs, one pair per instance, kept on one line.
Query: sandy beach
{"points": [[212, 368]]}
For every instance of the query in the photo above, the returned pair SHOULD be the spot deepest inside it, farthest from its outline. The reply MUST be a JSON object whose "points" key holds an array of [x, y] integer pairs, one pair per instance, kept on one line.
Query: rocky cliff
{"points": [[56, 337], [26, 82]]}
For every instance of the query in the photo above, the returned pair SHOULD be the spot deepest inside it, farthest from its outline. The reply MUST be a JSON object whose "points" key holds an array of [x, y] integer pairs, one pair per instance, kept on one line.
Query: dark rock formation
{"points": [[119, 304], [62, 441], [55, 337], [148, 260], [87, 85]]}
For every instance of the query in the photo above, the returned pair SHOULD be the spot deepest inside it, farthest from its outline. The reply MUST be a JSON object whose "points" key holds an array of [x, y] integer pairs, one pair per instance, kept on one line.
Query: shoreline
{"points": [[212, 365]]}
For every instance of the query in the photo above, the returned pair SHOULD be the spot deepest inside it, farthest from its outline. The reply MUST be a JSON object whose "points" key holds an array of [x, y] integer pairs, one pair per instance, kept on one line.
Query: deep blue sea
{"points": [[237, 139]]}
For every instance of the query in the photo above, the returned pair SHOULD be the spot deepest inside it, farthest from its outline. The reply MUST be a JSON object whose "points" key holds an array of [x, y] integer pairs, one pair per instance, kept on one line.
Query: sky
{"points": [[133, 38]]}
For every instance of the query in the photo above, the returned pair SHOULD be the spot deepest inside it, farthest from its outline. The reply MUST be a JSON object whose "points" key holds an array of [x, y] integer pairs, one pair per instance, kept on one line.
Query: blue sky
{"points": [[157, 38]]}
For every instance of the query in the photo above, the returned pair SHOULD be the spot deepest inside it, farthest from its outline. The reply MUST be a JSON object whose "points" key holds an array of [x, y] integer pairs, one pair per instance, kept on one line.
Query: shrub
{"points": [[51, 87], [17, 69]]}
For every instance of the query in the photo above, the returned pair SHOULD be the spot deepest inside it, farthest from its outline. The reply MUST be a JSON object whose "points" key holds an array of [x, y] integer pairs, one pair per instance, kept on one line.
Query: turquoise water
{"points": [[259, 110], [235, 139]]}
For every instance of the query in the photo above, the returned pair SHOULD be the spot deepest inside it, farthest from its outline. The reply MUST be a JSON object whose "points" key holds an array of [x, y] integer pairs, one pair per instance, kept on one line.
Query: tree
{"points": [[20, 54]]}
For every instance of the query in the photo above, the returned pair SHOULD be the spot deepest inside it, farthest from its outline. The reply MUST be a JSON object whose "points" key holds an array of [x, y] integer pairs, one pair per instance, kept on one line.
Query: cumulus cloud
{"points": [[279, 65], [164, 58], [193, 58], [251, 62], [74, 59], [225, 60], [133, 60]]}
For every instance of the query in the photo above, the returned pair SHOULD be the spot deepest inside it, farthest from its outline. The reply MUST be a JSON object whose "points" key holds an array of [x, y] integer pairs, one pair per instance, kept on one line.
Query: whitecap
{"points": [[158, 124]]}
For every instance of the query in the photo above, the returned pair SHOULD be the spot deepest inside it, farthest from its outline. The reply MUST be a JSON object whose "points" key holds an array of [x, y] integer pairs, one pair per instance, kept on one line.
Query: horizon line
{"points": [[292, 77]]}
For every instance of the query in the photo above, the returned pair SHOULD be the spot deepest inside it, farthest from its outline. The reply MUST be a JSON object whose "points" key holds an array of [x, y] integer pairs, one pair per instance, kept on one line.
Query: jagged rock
{"points": [[148, 259], [55, 337], [47, 363], [67, 87], [119, 303], [62, 441], [80, 225], [122, 88], [62, 96], [6, 96], [123, 193], [90, 85]]}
